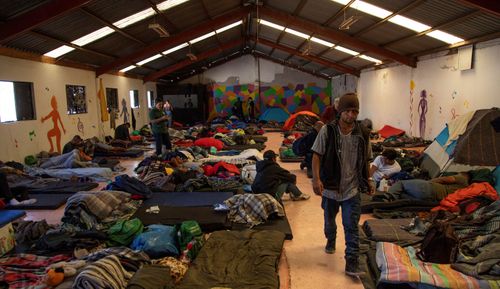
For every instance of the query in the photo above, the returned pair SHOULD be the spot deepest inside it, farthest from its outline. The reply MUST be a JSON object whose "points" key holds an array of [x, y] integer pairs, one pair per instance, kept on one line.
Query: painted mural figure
{"points": [[422, 110], [55, 131], [124, 111]]}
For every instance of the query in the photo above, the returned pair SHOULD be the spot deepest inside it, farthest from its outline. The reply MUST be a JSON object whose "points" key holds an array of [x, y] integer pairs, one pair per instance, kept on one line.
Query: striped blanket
{"points": [[401, 266]]}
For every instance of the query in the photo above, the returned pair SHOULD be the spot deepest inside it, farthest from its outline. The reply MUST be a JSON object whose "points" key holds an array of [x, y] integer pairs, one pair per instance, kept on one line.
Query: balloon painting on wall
{"points": [[55, 131]]}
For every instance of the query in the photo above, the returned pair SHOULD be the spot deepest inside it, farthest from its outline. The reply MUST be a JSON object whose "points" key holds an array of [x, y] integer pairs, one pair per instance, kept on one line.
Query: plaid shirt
{"points": [[27, 270], [253, 209]]}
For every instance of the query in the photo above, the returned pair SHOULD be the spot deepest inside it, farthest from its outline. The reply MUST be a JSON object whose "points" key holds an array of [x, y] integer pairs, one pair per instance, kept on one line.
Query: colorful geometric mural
{"points": [[292, 98]]}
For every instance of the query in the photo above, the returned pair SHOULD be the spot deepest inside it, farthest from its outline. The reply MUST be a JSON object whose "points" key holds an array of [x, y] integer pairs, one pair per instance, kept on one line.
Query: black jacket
{"points": [[269, 176], [330, 174], [121, 132]]}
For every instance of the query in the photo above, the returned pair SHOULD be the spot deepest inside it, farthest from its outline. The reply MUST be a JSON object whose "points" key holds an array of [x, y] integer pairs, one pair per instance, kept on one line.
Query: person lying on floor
{"points": [[11, 198], [384, 166], [75, 143], [434, 189], [275, 180]]}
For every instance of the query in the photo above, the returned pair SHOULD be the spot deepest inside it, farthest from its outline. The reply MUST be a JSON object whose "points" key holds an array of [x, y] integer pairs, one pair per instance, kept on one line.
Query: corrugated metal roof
{"points": [[10, 9], [385, 33], [122, 45], [231, 34], [187, 15], [291, 40], [417, 44], [318, 10], [391, 5], [115, 10], [32, 43], [219, 7], [476, 26], [269, 33], [86, 57], [357, 62], [435, 12], [288, 5]]}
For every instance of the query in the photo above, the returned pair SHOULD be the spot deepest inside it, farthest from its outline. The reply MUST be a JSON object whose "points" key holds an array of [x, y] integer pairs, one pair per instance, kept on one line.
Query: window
{"points": [[151, 98], [134, 98], [112, 98], [17, 101], [76, 99]]}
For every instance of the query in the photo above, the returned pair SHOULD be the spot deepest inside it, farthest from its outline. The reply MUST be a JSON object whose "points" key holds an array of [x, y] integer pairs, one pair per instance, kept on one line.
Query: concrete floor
{"points": [[304, 264]]}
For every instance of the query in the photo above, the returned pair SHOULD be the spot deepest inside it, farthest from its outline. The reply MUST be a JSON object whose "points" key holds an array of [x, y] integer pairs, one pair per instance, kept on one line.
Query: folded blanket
{"points": [[107, 273]]}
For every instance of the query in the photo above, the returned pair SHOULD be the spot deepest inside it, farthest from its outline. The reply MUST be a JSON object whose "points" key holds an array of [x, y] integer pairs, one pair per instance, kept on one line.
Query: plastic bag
{"points": [[158, 241]]}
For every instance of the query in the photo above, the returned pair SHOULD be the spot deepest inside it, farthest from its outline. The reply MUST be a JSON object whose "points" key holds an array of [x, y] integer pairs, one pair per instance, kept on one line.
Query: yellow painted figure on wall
{"points": [[55, 131]]}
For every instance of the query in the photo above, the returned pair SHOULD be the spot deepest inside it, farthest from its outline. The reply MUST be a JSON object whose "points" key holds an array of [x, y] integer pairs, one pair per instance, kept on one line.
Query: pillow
{"points": [[209, 142]]}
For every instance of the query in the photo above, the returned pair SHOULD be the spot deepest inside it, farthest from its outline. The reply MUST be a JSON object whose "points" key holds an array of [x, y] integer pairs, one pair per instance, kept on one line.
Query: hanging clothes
{"points": [[134, 122]]}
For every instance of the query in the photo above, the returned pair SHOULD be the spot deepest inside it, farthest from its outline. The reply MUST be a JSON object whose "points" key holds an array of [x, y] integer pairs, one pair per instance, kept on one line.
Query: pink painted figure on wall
{"points": [[55, 131], [422, 110]]}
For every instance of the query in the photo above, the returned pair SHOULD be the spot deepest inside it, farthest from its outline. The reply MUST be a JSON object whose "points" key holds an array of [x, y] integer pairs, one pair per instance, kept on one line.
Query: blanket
{"points": [[401, 266]]}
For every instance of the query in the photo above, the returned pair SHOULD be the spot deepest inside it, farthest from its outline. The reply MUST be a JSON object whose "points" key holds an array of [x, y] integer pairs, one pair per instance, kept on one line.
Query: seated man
{"points": [[275, 180], [122, 133], [384, 166], [75, 143]]}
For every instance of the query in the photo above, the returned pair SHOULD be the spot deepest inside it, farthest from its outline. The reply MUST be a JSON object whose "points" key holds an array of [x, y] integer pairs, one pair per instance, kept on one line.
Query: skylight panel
{"points": [[149, 59], [346, 50], [91, 37], [445, 37], [173, 49], [343, 2], [59, 51], [370, 9], [198, 39], [134, 18], [408, 23], [227, 27], [128, 68], [169, 4], [322, 42], [297, 33], [272, 25], [377, 61]]}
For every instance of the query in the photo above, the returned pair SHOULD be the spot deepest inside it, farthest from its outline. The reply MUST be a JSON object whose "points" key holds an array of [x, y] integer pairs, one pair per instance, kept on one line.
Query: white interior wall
{"points": [[48, 80], [244, 70], [385, 93]]}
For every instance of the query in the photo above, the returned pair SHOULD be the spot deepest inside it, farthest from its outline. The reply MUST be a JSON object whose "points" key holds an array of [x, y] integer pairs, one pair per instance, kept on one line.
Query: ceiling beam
{"points": [[37, 17], [204, 55], [174, 40], [110, 25], [336, 36], [164, 16], [488, 6], [296, 12], [399, 12], [441, 26], [321, 61], [262, 55]]}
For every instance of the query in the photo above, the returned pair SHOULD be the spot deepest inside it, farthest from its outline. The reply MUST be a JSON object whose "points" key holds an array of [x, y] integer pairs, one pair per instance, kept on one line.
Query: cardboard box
{"points": [[7, 239]]}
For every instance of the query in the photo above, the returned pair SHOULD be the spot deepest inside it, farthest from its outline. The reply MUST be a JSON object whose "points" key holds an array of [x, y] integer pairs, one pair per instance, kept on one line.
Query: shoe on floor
{"points": [[302, 197], [330, 247], [352, 269], [309, 173]]}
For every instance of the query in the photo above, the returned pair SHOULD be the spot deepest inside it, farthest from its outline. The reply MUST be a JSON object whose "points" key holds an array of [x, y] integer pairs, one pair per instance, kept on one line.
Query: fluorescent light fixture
{"points": [[149, 59], [169, 4], [322, 42], [370, 9], [134, 18], [227, 27], [297, 33], [91, 37], [173, 49], [346, 50], [198, 39], [272, 25], [377, 61], [343, 2], [59, 51], [445, 37], [128, 68], [408, 23]]}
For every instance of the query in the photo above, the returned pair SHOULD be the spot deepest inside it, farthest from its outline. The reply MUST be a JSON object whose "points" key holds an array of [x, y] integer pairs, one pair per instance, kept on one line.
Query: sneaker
{"points": [[330, 247], [302, 197], [352, 269]]}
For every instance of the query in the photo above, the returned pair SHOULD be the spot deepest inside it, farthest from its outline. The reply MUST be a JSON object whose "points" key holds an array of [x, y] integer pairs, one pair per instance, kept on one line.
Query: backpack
{"points": [[299, 146], [189, 232], [440, 244], [248, 173]]}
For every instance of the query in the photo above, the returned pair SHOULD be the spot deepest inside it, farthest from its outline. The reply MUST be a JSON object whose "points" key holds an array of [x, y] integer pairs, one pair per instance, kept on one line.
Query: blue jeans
{"points": [[160, 140], [351, 211], [290, 188]]}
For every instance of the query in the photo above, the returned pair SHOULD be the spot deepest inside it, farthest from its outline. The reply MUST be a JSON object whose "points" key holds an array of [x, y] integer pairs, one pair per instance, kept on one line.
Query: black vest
{"points": [[330, 171]]}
